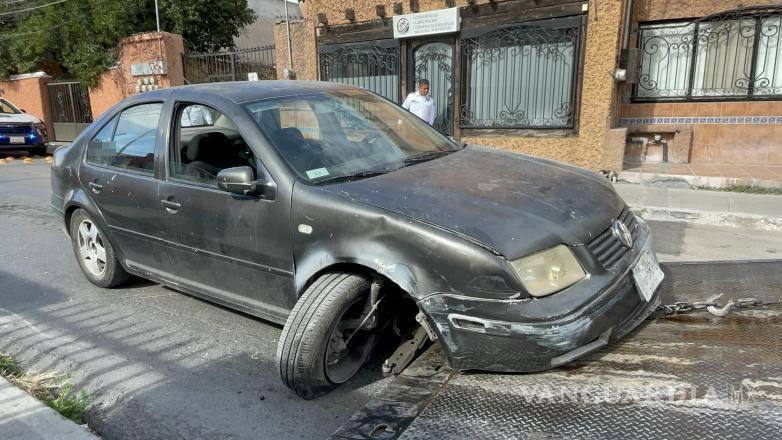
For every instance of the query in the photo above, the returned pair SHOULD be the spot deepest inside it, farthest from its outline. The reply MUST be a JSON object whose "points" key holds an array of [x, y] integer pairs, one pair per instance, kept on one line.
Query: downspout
{"points": [[288, 31], [628, 24]]}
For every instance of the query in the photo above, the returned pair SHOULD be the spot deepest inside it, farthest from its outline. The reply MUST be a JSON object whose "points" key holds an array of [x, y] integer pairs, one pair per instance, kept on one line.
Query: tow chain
{"points": [[710, 305]]}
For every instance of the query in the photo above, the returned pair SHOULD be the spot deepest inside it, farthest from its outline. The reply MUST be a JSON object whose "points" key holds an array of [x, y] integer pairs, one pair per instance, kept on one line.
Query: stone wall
{"points": [[29, 92]]}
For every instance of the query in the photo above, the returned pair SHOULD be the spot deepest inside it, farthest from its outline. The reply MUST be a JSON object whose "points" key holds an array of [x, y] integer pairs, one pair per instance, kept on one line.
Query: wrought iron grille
{"points": [[229, 66], [434, 62], [372, 65], [70, 103], [521, 76], [730, 55]]}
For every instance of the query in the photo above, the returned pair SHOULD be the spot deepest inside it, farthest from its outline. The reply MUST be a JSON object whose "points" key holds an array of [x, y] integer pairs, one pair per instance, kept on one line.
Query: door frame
{"points": [[407, 71]]}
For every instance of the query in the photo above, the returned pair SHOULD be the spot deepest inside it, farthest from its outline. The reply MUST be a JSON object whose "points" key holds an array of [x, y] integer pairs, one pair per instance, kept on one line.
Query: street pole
{"points": [[288, 31], [157, 17]]}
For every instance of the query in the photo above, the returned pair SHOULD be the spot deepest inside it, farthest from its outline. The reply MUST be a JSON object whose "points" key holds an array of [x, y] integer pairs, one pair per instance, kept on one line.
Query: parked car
{"points": [[337, 213], [20, 131]]}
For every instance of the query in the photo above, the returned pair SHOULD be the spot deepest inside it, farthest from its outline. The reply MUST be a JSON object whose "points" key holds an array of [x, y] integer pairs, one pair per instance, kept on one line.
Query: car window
{"points": [[206, 142], [132, 143], [343, 133], [298, 115], [6, 107]]}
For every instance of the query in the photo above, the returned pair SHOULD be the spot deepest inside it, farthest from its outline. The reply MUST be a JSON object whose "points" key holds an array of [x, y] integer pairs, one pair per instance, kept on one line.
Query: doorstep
{"points": [[702, 175]]}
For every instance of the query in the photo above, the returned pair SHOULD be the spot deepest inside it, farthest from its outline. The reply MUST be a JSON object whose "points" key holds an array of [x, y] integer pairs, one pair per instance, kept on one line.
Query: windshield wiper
{"points": [[353, 176], [429, 155]]}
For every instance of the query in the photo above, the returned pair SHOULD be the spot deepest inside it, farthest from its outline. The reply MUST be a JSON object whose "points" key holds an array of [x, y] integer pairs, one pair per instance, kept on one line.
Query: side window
{"points": [[130, 141], [206, 142]]}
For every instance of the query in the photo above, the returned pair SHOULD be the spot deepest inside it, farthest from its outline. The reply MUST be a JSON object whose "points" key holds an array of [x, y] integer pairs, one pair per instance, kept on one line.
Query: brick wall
{"points": [[593, 147], [29, 92], [118, 83], [738, 133]]}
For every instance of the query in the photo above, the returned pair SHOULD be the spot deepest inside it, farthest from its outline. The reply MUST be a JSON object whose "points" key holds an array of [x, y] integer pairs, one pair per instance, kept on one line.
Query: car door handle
{"points": [[171, 207], [96, 188]]}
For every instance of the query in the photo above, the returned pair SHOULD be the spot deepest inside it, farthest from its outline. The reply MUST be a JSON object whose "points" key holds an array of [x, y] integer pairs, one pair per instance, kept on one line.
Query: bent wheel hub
{"points": [[91, 248], [349, 346]]}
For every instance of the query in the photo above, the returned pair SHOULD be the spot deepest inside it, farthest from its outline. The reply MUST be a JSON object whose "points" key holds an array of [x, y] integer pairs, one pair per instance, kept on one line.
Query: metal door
{"points": [[433, 60], [70, 106]]}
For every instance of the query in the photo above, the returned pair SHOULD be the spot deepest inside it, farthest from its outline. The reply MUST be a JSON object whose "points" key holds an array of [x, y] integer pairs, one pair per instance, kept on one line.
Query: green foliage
{"points": [[52, 389], [8, 366], [80, 36], [68, 403]]}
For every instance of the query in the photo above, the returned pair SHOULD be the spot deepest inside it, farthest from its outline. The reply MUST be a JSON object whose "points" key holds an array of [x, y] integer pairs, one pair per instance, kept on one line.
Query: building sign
{"points": [[153, 68], [441, 21], [252, 76]]}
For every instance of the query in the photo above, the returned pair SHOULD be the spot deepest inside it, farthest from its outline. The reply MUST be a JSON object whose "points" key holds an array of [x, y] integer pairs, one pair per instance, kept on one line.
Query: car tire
{"points": [[308, 334], [95, 255]]}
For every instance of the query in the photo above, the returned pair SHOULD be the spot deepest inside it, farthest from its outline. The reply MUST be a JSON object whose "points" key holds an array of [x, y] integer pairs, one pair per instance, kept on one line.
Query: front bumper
{"points": [[472, 341]]}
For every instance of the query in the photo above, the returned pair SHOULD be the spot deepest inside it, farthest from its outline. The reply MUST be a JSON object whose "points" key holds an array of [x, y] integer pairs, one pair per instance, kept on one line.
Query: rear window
{"points": [[128, 141]]}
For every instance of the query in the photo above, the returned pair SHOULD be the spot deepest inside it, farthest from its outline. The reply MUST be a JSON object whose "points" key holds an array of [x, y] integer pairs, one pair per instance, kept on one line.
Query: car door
{"points": [[233, 247], [118, 173]]}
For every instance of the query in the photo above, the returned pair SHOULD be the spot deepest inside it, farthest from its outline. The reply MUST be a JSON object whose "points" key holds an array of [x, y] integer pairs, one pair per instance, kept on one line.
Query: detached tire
{"points": [[306, 353], [94, 253]]}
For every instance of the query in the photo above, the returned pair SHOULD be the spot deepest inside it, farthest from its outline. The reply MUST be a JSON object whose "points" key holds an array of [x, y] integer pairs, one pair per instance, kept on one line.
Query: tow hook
{"points": [[405, 353]]}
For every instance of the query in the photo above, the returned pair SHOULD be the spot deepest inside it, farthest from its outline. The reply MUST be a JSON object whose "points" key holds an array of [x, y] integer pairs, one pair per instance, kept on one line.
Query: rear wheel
{"points": [[94, 253], [326, 340]]}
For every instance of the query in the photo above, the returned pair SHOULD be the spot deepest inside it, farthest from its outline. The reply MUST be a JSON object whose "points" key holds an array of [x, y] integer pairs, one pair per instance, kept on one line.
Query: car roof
{"points": [[246, 91]]}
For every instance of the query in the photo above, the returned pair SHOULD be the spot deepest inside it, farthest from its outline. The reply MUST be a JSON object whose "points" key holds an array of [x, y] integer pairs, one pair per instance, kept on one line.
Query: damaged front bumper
{"points": [[474, 339]]}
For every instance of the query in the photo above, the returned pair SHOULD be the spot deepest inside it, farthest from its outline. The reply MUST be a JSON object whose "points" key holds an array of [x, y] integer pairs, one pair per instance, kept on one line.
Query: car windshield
{"points": [[345, 134], [7, 107]]}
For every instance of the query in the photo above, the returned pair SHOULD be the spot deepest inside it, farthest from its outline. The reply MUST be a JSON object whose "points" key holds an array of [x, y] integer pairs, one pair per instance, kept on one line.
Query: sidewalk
{"points": [[22, 417], [720, 208]]}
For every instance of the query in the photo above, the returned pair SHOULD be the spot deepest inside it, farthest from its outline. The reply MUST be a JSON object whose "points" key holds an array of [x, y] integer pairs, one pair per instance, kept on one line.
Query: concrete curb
{"points": [[711, 218], [22, 417]]}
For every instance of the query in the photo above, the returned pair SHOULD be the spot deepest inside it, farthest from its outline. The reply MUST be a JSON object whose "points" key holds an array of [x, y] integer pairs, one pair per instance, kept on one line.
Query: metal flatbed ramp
{"points": [[688, 376]]}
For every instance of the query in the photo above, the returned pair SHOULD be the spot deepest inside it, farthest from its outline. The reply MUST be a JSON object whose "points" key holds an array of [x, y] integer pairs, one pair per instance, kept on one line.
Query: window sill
{"points": [[518, 132]]}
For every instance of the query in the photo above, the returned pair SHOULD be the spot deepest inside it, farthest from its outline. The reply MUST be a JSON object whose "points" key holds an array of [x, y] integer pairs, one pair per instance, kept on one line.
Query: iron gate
{"points": [[229, 66], [70, 106]]}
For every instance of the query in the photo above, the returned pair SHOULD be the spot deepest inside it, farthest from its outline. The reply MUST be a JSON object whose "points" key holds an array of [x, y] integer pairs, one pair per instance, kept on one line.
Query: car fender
{"points": [[315, 263]]}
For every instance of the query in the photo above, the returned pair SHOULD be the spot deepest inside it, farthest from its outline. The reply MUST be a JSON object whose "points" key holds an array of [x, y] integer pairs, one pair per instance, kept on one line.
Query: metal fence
{"points": [[521, 76], [372, 65], [730, 55], [229, 66], [70, 103]]}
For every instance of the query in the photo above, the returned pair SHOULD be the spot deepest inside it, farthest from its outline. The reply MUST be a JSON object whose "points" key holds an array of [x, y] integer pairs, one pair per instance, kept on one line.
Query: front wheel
{"points": [[94, 253], [325, 341]]}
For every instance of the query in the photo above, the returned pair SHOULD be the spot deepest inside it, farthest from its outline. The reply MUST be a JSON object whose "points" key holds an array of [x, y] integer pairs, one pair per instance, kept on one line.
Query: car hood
{"points": [[7, 118], [511, 203]]}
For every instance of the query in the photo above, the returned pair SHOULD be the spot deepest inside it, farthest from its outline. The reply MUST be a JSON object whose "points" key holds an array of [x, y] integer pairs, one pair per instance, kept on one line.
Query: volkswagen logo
{"points": [[403, 25], [621, 233]]}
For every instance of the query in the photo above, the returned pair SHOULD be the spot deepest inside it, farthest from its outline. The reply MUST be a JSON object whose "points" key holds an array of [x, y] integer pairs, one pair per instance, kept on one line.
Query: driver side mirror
{"points": [[240, 180]]}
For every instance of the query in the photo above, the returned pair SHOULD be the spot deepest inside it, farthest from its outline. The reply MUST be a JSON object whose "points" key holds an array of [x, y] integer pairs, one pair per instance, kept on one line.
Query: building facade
{"points": [[596, 83]]}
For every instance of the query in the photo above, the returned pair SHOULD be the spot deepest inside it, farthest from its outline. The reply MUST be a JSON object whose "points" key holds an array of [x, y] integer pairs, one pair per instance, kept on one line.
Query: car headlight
{"points": [[549, 271]]}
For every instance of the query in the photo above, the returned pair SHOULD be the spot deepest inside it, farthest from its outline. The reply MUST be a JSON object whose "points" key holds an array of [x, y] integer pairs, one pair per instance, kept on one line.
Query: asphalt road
{"points": [[161, 364]]}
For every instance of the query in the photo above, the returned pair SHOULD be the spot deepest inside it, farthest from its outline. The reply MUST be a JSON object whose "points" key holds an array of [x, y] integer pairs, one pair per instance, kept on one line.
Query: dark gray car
{"points": [[348, 219]]}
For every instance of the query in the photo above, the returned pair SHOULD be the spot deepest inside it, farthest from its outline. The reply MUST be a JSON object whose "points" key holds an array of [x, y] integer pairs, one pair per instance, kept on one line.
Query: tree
{"points": [[80, 36]]}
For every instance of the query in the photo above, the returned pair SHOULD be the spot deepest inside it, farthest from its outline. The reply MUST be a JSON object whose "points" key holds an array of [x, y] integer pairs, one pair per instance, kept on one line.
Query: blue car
{"points": [[20, 131]]}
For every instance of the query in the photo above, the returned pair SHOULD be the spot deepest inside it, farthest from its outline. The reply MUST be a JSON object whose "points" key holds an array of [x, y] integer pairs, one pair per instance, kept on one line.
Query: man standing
{"points": [[420, 103]]}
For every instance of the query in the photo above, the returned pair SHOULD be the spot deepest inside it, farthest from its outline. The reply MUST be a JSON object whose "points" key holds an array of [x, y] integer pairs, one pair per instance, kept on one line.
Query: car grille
{"points": [[15, 128], [608, 249]]}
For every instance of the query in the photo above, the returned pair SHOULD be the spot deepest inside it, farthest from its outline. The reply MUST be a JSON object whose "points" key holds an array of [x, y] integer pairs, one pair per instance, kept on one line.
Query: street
{"points": [[162, 364]]}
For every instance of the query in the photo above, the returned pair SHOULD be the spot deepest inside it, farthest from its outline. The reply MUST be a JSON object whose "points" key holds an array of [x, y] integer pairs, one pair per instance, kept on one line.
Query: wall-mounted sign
{"points": [[441, 21], [154, 68], [252, 76]]}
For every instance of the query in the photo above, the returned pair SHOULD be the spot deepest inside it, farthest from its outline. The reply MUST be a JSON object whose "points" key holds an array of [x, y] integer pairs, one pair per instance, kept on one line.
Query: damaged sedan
{"points": [[337, 213]]}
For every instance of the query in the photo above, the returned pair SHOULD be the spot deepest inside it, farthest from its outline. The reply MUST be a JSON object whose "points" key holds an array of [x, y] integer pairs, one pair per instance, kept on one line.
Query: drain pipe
{"points": [[288, 31], [628, 25]]}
